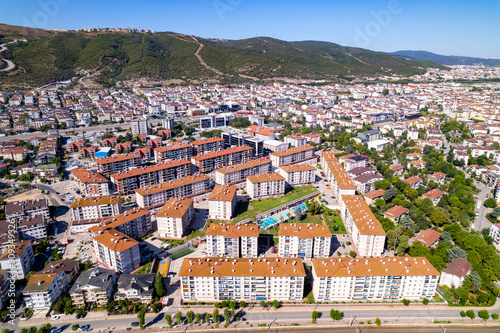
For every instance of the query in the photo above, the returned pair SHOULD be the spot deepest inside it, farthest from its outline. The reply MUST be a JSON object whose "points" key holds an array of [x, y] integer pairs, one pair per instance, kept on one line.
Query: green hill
{"points": [[47, 56]]}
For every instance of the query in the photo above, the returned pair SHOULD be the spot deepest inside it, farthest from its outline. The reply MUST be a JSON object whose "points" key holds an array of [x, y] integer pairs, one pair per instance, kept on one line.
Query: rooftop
{"points": [[304, 230], [223, 193], [233, 231], [175, 208]]}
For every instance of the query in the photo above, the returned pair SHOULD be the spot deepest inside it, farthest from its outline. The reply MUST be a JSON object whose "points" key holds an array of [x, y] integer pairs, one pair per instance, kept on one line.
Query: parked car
{"points": [[54, 317], [135, 324]]}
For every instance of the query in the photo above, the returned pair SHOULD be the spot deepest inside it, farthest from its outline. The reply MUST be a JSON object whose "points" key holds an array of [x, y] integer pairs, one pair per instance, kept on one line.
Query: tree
{"points": [[445, 237], [190, 316], [475, 280], [168, 318], [141, 316], [242, 304], [463, 314], [335, 314], [223, 304], [208, 317], [75, 327], [178, 317], [425, 301], [403, 244], [389, 194], [159, 285], [232, 305], [406, 222], [495, 316], [455, 252], [471, 314], [378, 322], [438, 217], [314, 316], [352, 254], [263, 304], [490, 203], [198, 318], [406, 302], [227, 317], [483, 314], [215, 316], [495, 213]]}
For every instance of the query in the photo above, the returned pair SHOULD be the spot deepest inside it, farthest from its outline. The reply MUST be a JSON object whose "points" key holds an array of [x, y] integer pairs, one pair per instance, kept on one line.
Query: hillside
{"points": [[446, 60], [47, 56]]}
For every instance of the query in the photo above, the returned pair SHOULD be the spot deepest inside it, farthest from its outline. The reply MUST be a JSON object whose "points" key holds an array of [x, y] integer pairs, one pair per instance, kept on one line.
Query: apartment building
{"points": [[222, 202], [94, 286], [207, 145], [232, 241], [365, 231], [174, 218], [139, 126], [118, 163], [173, 152], [214, 160], [327, 157], [238, 173], [96, 207], [43, 289], [352, 161], [116, 251], [135, 223], [237, 139], [4, 287], [265, 185], [18, 259], [127, 182], [295, 140], [494, 232], [187, 187], [298, 174], [373, 279], [31, 227], [249, 280], [297, 155], [275, 146], [340, 181], [366, 182], [304, 241], [90, 183], [27, 208]]}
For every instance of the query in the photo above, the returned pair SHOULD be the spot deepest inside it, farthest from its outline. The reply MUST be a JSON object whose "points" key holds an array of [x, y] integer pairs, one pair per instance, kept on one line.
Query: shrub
{"points": [[314, 316], [352, 253], [75, 327], [335, 314], [483, 314], [377, 321], [425, 301], [406, 302], [495, 316]]}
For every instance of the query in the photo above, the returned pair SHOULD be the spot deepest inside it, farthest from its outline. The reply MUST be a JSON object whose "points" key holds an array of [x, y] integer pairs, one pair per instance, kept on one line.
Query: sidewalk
{"points": [[39, 318]]}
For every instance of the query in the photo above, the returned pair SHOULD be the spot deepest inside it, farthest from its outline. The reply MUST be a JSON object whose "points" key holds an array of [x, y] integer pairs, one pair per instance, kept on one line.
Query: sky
{"points": [[459, 27]]}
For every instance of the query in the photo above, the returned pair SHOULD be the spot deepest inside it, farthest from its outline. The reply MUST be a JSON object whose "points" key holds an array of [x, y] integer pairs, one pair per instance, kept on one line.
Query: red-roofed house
{"points": [[395, 213], [435, 195], [398, 169], [455, 273], [427, 237], [370, 197], [414, 182], [438, 177]]}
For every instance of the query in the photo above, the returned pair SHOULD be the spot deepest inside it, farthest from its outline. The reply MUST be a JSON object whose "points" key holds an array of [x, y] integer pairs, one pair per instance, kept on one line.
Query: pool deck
{"points": [[282, 214]]}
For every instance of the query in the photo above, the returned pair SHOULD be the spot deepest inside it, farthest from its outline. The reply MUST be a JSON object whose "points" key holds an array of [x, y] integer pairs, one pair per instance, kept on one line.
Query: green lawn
{"points": [[181, 253], [335, 223], [246, 210], [146, 268]]}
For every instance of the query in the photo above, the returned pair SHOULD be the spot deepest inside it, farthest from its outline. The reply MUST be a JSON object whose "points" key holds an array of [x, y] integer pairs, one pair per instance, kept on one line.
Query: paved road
{"points": [[10, 64]]}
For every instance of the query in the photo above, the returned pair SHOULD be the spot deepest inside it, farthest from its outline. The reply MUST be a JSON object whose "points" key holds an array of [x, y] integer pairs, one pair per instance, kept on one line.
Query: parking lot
{"points": [[80, 247]]}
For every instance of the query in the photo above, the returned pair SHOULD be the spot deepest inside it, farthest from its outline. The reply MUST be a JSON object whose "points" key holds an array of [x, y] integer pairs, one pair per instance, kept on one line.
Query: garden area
{"points": [[247, 210]]}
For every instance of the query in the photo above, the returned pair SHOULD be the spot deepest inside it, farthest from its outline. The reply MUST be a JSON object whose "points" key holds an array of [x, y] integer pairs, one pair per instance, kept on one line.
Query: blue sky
{"points": [[459, 27]]}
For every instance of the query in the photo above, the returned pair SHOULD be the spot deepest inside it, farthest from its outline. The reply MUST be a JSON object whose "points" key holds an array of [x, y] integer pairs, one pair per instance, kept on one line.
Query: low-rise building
{"points": [[366, 182], [90, 183], [455, 273], [495, 232], [265, 185], [222, 202], [43, 289], [435, 195], [427, 237], [298, 175], [96, 207], [135, 287], [395, 213], [94, 286], [232, 241], [438, 177], [249, 280], [415, 182], [304, 241], [174, 218], [18, 258], [373, 279]]}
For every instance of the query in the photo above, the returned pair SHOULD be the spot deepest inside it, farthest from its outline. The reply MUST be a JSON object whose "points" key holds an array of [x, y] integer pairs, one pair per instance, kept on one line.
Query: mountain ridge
{"points": [[106, 56], [450, 60]]}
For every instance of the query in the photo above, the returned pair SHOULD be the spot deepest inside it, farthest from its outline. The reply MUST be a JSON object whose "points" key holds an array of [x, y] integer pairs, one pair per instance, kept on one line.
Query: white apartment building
{"points": [[304, 241], [222, 202], [249, 280], [495, 232], [365, 231], [265, 185], [297, 155], [135, 223], [23, 259], [327, 157], [298, 175], [32, 228], [139, 126], [340, 180], [117, 251], [275, 145], [237, 174], [96, 207], [174, 218], [43, 289], [373, 279], [295, 140], [232, 241], [157, 195]]}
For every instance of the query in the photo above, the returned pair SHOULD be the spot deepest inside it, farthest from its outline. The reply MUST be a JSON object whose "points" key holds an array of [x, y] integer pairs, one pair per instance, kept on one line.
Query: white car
{"points": [[54, 317]]}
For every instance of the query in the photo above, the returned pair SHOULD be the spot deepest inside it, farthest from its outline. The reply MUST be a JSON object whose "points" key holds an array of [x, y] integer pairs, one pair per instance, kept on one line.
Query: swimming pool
{"points": [[284, 215], [302, 207], [268, 222]]}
